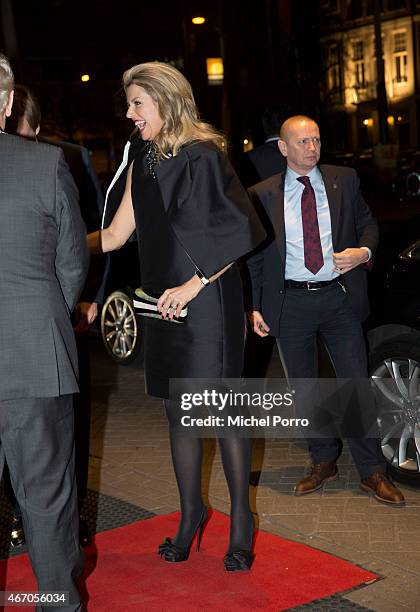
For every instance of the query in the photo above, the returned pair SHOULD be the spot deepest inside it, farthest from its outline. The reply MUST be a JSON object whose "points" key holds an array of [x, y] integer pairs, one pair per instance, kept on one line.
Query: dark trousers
{"points": [[82, 413], [37, 441], [326, 312]]}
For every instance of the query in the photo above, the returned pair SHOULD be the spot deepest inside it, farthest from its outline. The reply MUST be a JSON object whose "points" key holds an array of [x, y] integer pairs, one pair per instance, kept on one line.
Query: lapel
{"points": [[333, 188], [275, 199]]}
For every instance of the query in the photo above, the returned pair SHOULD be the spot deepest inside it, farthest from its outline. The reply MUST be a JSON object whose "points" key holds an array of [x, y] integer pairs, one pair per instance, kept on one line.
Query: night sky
{"points": [[271, 55]]}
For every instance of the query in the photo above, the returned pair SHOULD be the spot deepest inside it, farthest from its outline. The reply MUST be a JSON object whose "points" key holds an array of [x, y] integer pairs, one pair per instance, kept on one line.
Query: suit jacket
{"points": [[261, 163], [91, 202], [43, 266], [352, 225]]}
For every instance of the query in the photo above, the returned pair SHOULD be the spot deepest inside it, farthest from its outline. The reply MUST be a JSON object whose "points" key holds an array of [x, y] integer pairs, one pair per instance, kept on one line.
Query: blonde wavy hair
{"points": [[175, 100], [6, 82]]}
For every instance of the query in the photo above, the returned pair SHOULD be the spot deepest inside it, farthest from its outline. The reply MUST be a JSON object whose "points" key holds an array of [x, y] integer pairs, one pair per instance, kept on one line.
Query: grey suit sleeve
{"points": [[72, 256]]}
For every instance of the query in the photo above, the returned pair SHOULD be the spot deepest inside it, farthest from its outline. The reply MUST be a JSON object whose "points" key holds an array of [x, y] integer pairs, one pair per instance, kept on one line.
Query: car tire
{"points": [[120, 330], [412, 185], [393, 365]]}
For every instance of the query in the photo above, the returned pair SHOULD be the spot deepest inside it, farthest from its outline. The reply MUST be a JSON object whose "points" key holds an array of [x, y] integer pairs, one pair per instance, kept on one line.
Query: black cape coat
{"points": [[209, 210]]}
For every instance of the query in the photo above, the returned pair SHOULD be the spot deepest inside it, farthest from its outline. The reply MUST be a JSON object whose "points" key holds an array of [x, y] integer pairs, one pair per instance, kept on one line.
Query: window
{"points": [[358, 50], [359, 64], [359, 8], [400, 57], [400, 43], [333, 68]]}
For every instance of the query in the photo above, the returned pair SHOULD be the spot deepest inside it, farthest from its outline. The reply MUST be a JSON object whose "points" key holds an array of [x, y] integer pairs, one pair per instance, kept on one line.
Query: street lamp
{"points": [[198, 20]]}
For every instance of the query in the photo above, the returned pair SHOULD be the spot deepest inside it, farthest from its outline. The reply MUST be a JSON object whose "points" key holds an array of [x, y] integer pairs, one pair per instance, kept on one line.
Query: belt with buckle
{"points": [[309, 285]]}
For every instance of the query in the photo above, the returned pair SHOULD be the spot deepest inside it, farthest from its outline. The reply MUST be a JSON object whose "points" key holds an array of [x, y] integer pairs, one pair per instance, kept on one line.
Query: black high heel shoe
{"points": [[174, 554], [241, 559], [238, 560]]}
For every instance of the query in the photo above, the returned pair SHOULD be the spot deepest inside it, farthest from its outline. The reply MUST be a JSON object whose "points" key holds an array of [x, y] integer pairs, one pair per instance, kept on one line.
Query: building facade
{"points": [[349, 76]]}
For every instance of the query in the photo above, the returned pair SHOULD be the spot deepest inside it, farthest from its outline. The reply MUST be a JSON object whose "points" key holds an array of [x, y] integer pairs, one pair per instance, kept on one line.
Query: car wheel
{"points": [[412, 185], [119, 328], [395, 375]]}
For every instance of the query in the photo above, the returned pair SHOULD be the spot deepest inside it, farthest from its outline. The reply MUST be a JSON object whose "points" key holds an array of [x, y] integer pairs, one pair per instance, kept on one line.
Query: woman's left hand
{"points": [[173, 300]]}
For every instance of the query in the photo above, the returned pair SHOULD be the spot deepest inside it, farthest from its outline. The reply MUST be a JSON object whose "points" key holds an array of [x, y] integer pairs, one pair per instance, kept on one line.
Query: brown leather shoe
{"points": [[382, 489], [318, 475]]}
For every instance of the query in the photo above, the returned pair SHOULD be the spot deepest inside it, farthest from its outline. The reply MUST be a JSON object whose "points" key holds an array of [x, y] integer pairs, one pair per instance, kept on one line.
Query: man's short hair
{"points": [[25, 106], [7, 82]]}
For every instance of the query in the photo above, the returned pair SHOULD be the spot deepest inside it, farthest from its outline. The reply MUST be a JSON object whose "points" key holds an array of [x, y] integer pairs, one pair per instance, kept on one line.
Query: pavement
{"points": [[130, 460]]}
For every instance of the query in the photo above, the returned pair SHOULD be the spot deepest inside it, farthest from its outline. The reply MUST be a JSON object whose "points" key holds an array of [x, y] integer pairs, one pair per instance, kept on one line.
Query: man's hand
{"points": [[84, 315], [259, 326], [349, 259]]}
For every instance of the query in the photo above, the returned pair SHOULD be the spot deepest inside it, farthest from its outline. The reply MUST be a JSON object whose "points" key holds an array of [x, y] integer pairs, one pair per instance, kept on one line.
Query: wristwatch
{"points": [[203, 279]]}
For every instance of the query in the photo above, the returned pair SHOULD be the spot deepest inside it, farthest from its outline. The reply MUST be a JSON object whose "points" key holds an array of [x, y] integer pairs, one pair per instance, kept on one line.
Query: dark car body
{"points": [[393, 332]]}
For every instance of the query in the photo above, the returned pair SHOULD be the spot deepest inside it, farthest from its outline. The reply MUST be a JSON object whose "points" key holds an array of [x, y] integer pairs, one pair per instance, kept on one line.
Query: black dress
{"points": [[210, 342]]}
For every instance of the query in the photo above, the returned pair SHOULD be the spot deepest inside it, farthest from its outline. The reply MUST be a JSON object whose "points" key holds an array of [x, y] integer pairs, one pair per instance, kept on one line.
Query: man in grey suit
{"points": [[43, 266]]}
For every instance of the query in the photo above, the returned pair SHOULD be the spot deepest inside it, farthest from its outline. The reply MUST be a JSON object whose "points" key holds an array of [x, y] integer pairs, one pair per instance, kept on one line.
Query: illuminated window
{"points": [[400, 57], [215, 70], [358, 50], [400, 41], [359, 64]]}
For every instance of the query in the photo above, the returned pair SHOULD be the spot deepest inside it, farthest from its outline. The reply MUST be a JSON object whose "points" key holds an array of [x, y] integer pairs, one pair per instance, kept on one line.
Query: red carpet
{"points": [[123, 572]]}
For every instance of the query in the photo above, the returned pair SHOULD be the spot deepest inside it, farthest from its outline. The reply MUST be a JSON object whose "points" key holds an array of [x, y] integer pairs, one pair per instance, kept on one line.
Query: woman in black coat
{"points": [[193, 220]]}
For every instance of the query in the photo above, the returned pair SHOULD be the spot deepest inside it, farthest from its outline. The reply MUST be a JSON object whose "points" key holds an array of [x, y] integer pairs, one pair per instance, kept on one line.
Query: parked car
{"points": [[121, 329], [394, 349], [408, 181]]}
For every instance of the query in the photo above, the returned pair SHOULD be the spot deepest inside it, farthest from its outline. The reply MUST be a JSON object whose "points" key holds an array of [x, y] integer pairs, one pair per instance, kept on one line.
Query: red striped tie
{"points": [[311, 238]]}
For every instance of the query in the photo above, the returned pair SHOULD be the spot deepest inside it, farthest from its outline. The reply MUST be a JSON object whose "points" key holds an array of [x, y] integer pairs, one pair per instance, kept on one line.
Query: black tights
{"points": [[187, 454]]}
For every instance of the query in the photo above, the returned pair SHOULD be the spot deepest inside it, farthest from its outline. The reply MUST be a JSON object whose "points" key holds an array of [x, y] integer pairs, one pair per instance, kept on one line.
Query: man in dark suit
{"points": [[43, 266], [310, 280]]}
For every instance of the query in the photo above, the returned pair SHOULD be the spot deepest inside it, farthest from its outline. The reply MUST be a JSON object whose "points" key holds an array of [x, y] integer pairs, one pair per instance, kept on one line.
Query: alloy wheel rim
{"points": [[120, 327], [396, 382]]}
